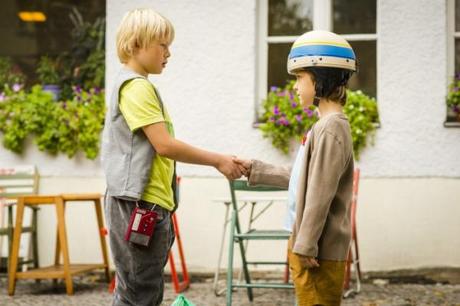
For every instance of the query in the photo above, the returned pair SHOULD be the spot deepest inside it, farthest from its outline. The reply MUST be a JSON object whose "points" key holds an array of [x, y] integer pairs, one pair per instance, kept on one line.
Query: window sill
{"points": [[452, 124], [256, 124]]}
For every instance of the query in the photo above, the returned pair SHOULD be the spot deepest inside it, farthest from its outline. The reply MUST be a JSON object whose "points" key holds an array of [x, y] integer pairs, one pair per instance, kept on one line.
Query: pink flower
{"points": [[2, 96], [17, 87]]}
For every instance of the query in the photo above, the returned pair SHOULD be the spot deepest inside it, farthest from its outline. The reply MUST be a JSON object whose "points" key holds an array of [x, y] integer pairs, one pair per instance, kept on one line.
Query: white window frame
{"points": [[322, 20], [451, 37]]}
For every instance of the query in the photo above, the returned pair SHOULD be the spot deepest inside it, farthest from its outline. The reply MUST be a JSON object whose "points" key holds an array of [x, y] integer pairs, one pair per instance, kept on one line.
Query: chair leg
{"points": [[100, 224], [57, 253], [358, 267], [286, 271], [63, 243], [346, 283], [218, 292], [2, 226], [244, 264], [13, 262], [10, 230], [35, 238], [231, 243]]}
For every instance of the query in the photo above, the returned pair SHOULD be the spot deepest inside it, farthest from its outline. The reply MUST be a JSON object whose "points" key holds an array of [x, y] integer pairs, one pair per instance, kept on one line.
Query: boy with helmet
{"points": [[320, 182]]}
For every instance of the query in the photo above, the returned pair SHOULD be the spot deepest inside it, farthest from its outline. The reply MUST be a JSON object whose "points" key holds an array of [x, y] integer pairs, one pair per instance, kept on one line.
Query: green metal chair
{"points": [[238, 237]]}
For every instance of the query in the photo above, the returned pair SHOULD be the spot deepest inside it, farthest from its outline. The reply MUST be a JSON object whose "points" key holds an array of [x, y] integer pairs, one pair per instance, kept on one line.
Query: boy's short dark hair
{"points": [[330, 83]]}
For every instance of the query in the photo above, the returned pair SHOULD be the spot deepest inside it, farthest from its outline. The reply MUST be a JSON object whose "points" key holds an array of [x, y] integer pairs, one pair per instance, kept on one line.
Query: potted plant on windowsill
{"points": [[453, 97], [10, 74], [286, 121], [48, 75]]}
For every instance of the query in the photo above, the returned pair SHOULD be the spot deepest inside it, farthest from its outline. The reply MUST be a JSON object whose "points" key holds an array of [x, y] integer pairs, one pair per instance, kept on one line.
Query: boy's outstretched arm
{"points": [[260, 173], [169, 147]]}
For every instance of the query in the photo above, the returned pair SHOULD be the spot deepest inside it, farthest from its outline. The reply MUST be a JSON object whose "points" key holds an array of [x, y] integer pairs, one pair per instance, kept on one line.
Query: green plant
{"points": [[92, 72], [66, 126], [84, 63], [9, 74], [47, 71], [453, 96], [284, 118], [363, 116]]}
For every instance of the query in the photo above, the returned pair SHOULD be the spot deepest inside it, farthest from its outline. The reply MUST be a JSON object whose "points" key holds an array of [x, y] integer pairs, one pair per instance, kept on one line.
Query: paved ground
{"points": [[90, 292]]}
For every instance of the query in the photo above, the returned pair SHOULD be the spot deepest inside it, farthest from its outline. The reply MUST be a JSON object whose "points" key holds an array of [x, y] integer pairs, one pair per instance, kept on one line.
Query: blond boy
{"points": [[138, 156]]}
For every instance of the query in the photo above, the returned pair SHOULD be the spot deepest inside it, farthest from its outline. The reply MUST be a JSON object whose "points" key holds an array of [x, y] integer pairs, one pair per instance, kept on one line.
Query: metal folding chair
{"points": [[239, 237]]}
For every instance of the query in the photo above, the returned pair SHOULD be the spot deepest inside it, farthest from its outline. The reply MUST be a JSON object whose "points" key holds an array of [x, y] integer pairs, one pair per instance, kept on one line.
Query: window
{"points": [[282, 21], [26, 36], [453, 12], [457, 36], [356, 21]]}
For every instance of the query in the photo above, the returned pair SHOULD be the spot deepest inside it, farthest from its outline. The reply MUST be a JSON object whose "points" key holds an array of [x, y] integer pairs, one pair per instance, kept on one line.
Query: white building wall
{"points": [[410, 187]]}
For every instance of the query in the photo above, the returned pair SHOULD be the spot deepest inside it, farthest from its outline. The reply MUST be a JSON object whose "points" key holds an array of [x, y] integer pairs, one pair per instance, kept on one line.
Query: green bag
{"points": [[182, 301]]}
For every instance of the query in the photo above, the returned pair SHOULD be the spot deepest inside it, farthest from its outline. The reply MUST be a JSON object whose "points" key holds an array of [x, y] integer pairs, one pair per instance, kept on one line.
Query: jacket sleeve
{"points": [[326, 166], [269, 175]]}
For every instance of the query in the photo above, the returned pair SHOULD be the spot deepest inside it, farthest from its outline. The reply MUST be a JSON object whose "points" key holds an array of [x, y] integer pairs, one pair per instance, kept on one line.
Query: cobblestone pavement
{"points": [[89, 292]]}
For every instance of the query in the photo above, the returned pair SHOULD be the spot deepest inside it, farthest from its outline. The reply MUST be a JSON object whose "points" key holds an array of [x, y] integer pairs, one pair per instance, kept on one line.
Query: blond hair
{"points": [[138, 29]]}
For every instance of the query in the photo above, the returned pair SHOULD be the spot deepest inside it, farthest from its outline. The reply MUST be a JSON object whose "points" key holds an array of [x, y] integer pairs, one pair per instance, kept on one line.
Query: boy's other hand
{"points": [[308, 261], [245, 165], [227, 167]]}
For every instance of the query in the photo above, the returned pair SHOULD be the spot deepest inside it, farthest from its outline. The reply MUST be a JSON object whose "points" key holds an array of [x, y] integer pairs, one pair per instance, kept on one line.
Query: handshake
{"points": [[233, 167]]}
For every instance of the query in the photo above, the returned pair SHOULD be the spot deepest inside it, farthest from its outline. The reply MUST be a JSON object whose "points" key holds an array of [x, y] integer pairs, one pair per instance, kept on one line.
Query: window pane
{"points": [[452, 116], [289, 17], [457, 15], [277, 65], [366, 78], [354, 16], [457, 55], [26, 42]]}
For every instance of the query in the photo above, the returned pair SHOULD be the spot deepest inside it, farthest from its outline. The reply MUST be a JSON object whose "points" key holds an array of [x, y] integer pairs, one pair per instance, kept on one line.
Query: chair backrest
{"points": [[242, 185], [18, 181]]}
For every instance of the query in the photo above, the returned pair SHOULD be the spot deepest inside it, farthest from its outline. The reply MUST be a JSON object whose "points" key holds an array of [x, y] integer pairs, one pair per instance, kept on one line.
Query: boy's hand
{"points": [[245, 165], [308, 261], [227, 167]]}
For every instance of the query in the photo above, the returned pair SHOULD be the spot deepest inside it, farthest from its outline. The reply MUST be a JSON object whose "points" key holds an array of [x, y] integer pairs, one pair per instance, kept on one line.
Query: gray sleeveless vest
{"points": [[126, 156]]}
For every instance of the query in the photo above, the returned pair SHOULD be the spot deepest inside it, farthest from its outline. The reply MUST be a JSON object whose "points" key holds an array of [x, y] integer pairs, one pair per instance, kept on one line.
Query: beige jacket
{"points": [[322, 228]]}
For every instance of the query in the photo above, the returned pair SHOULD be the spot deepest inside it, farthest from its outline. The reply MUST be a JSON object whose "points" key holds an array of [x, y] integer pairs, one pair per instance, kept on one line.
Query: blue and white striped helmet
{"points": [[321, 49]]}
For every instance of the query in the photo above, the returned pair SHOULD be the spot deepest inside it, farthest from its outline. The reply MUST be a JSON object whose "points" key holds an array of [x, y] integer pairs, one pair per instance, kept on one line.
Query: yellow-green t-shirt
{"points": [[140, 106]]}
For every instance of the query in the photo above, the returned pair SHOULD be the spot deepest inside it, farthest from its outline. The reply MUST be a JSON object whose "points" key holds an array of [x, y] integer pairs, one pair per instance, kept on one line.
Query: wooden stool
{"points": [[57, 271]]}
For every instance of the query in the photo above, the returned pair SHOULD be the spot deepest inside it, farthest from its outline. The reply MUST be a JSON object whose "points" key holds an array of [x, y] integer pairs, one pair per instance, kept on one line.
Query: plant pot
{"points": [[55, 90]]}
